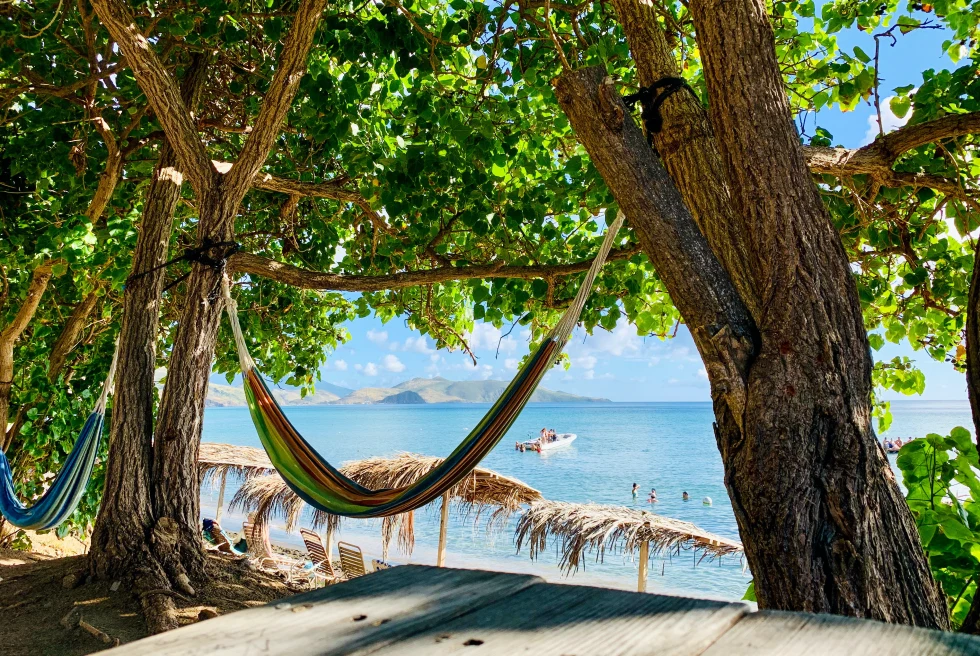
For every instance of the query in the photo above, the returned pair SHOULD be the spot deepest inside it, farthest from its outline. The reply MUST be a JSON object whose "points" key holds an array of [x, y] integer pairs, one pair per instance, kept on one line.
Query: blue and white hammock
{"points": [[61, 498]]}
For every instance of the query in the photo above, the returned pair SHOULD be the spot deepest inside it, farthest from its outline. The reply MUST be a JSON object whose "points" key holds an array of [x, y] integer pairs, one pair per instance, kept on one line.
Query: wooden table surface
{"points": [[422, 611]]}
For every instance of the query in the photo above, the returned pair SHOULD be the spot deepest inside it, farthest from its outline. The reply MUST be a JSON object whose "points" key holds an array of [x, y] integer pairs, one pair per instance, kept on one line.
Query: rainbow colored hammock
{"points": [[61, 498], [321, 485]]}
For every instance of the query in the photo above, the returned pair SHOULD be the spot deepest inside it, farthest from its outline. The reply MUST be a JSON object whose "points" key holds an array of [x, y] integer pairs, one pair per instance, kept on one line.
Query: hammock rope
{"points": [[59, 501], [322, 486]]}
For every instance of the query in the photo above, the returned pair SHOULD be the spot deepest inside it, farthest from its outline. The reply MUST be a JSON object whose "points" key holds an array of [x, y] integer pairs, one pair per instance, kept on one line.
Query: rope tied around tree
{"points": [[653, 97], [202, 255]]}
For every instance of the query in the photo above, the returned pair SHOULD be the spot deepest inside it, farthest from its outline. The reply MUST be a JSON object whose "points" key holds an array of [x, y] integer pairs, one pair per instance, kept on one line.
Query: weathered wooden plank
{"points": [[369, 612], [773, 632], [564, 620]]}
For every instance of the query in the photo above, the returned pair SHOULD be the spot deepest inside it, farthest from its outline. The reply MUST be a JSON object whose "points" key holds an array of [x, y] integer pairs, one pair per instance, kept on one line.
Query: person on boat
{"points": [[653, 496], [544, 433], [898, 443], [636, 489], [686, 496], [888, 444]]}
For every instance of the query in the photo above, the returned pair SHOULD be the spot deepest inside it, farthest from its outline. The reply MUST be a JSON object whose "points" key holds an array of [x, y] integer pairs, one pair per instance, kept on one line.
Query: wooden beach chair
{"points": [[322, 567], [222, 543], [351, 560], [261, 552]]}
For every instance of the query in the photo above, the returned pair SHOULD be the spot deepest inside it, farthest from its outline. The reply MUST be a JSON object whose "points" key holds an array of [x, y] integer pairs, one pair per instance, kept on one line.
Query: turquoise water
{"points": [[669, 446]]}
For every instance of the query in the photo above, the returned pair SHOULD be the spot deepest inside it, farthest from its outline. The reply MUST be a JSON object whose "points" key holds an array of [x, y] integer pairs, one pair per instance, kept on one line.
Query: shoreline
{"points": [[370, 543]]}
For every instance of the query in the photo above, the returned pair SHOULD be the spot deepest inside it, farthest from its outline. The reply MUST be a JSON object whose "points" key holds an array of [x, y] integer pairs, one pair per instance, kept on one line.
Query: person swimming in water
{"points": [[636, 490], [686, 496], [653, 496]]}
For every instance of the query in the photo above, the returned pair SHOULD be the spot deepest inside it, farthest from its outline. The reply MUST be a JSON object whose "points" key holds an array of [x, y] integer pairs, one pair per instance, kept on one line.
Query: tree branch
{"points": [[332, 189], [255, 265], [161, 91], [876, 159], [279, 97]]}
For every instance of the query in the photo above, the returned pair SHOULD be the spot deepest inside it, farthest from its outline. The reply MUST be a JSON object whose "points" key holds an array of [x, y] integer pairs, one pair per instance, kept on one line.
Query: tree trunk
{"points": [[687, 148], [122, 538], [9, 336], [824, 525], [176, 488]]}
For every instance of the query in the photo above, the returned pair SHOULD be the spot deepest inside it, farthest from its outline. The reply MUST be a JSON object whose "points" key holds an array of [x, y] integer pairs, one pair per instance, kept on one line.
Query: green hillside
{"points": [[226, 396]]}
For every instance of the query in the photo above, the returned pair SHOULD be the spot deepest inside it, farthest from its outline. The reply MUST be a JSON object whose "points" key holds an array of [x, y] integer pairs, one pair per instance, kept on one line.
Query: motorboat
{"points": [[538, 445]]}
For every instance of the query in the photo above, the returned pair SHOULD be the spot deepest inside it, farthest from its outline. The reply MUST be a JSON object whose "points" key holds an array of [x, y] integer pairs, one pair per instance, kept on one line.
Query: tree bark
{"points": [[720, 323], [972, 348], [176, 488], [69, 334], [8, 338], [120, 543], [687, 148], [824, 525]]}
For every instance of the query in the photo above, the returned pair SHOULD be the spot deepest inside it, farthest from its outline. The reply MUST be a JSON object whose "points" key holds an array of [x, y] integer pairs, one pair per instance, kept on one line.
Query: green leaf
{"points": [[900, 105]]}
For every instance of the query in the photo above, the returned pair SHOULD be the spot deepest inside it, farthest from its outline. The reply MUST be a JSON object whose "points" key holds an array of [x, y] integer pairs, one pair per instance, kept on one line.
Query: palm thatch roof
{"points": [[483, 490], [214, 460], [588, 527]]}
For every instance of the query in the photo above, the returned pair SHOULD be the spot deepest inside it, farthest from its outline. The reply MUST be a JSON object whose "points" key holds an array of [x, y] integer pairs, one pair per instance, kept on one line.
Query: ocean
{"points": [[667, 446]]}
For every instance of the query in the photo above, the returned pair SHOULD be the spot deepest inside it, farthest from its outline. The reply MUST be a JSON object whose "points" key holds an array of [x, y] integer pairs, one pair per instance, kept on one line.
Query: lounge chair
{"points": [[261, 552], [222, 543], [351, 560], [322, 567]]}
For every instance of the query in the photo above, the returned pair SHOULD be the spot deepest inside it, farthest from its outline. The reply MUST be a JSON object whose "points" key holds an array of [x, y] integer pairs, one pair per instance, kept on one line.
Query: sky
{"points": [[620, 365]]}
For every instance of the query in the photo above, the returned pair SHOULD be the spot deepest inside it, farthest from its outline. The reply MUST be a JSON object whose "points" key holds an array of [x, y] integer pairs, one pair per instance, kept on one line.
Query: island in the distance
{"points": [[412, 392]]}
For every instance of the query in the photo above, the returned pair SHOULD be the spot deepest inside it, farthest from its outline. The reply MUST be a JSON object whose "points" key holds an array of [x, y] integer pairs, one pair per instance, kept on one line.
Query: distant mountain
{"points": [[221, 396], [407, 397], [337, 390], [414, 391]]}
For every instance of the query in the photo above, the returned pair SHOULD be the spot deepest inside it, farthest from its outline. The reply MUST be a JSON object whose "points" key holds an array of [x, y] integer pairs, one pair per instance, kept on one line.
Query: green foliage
{"points": [[442, 117], [940, 474]]}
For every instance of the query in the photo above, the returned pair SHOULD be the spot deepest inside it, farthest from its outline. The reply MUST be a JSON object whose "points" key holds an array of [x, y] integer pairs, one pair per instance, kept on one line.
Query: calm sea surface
{"points": [[669, 446]]}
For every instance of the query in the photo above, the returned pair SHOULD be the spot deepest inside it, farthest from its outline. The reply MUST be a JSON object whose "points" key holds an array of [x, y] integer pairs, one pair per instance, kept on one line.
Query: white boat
{"points": [[561, 440]]}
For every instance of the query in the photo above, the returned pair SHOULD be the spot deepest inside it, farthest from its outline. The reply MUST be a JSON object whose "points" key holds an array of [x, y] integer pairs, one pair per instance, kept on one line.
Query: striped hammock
{"points": [[61, 498], [322, 486]]}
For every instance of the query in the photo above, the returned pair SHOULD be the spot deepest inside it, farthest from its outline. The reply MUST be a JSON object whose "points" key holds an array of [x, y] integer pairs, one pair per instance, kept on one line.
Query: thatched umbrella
{"points": [[587, 527], [481, 491], [214, 461]]}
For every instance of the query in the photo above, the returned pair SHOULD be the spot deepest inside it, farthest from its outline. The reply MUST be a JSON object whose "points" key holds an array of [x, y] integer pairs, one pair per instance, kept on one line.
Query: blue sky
{"points": [[620, 365]]}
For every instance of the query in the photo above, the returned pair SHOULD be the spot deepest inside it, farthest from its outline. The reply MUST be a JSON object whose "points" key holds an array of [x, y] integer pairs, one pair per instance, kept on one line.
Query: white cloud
{"points": [[392, 363], [585, 361], [340, 365], [370, 369], [485, 371], [377, 336], [703, 373], [620, 341], [417, 345], [673, 381], [486, 336], [511, 364], [435, 357], [589, 374], [889, 121]]}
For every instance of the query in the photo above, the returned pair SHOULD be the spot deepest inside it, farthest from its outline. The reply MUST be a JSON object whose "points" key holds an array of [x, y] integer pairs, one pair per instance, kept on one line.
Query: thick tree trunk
{"points": [[973, 345], [125, 526], [9, 336], [825, 526], [688, 151], [822, 520], [176, 488]]}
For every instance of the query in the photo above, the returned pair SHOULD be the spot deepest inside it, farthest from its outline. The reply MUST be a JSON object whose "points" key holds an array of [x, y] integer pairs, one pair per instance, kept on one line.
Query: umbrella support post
{"points": [[443, 522], [329, 544], [641, 583], [221, 497]]}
